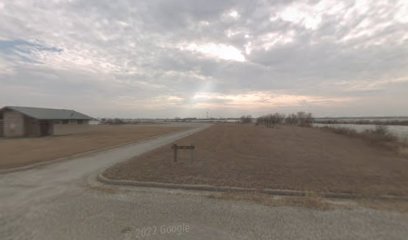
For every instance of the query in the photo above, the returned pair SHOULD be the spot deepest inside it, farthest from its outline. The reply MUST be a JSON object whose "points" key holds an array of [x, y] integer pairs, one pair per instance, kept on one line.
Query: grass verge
{"points": [[313, 201]]}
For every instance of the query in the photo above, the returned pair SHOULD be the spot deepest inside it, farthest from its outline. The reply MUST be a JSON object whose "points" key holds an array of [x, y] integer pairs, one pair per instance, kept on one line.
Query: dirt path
{"points": [[17, 152], [57, 176], [295, 158]]}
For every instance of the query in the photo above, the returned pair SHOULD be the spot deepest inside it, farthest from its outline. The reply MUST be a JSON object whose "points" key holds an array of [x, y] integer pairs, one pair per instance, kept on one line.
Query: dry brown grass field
{"points": [[285, 157], [16, 152]]}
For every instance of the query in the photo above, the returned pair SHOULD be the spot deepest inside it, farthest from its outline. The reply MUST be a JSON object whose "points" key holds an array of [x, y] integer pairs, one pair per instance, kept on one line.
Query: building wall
{"points": [[16, 124], [13, 124], [1, 128], [70, 128], [32, 127]]}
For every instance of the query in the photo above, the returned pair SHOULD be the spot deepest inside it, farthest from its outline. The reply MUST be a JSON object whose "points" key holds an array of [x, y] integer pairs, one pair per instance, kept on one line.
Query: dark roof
{"points": [[49, 113]]}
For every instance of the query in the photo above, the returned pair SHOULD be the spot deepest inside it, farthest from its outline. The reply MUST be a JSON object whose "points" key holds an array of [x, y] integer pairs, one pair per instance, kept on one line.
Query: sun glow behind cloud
{"points": [[214, 50]]}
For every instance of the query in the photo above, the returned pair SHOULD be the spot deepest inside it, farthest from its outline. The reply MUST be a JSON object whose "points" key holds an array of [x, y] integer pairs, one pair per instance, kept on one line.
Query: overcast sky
{"points": [[168, 58]]}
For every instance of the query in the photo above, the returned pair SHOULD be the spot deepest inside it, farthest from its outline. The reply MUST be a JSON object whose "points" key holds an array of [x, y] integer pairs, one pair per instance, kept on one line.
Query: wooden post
{"points": [[192, 153], [175, 152], [175, 148]]}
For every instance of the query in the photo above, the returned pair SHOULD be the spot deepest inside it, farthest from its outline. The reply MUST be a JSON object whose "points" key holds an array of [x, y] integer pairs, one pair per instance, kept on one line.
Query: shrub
{"points": [[304, 119], [379, 136], [301, 118], [270, 120], [246, 119], [380, 132], [291, 119], [342, 130]]}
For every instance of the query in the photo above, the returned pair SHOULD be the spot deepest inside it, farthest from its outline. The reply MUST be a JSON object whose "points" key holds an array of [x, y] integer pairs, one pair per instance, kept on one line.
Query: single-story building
{"points": [[36, 122]]}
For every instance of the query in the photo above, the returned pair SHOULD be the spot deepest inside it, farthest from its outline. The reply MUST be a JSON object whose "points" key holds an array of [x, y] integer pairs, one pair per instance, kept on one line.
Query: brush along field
{"points": [[285, 157], [17, 152]]}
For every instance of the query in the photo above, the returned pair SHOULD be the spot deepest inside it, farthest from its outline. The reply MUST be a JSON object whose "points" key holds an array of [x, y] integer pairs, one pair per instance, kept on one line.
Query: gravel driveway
{"points": [[63, 201]]}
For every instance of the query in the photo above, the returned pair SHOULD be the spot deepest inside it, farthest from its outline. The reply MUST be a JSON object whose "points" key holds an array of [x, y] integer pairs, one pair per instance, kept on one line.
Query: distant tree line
{"points": [[367, 122], [300, 118], [112, 121]]}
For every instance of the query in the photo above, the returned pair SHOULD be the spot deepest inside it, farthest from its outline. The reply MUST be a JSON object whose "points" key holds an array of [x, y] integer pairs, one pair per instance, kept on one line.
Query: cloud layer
{"points": [[163, 58]]}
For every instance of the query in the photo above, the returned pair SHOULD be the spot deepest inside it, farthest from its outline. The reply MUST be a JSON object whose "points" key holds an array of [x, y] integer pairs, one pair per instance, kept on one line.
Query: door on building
{"points": [[45, 128]]}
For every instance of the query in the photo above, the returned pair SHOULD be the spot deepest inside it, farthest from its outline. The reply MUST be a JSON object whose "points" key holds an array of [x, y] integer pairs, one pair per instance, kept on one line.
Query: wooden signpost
{"points": [[176, 147]]}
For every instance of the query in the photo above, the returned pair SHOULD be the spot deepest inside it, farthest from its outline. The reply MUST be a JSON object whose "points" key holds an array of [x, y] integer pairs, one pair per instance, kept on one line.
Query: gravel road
{"points": [[64, 201]]}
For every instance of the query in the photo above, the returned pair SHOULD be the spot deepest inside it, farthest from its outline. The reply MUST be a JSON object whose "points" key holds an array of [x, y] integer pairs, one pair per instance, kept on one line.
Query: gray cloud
{"points": [[153, 58]]}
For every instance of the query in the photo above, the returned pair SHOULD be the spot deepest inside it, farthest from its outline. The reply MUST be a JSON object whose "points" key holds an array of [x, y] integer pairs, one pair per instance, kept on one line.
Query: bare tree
{"points": [[270, 120], [301, 118], [292, 119], [304, 119], [246, 119]]}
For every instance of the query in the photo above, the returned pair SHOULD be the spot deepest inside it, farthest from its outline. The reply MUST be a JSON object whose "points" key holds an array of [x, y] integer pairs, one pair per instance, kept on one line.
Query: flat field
{"points": [[286, 157], [16, 152]]}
